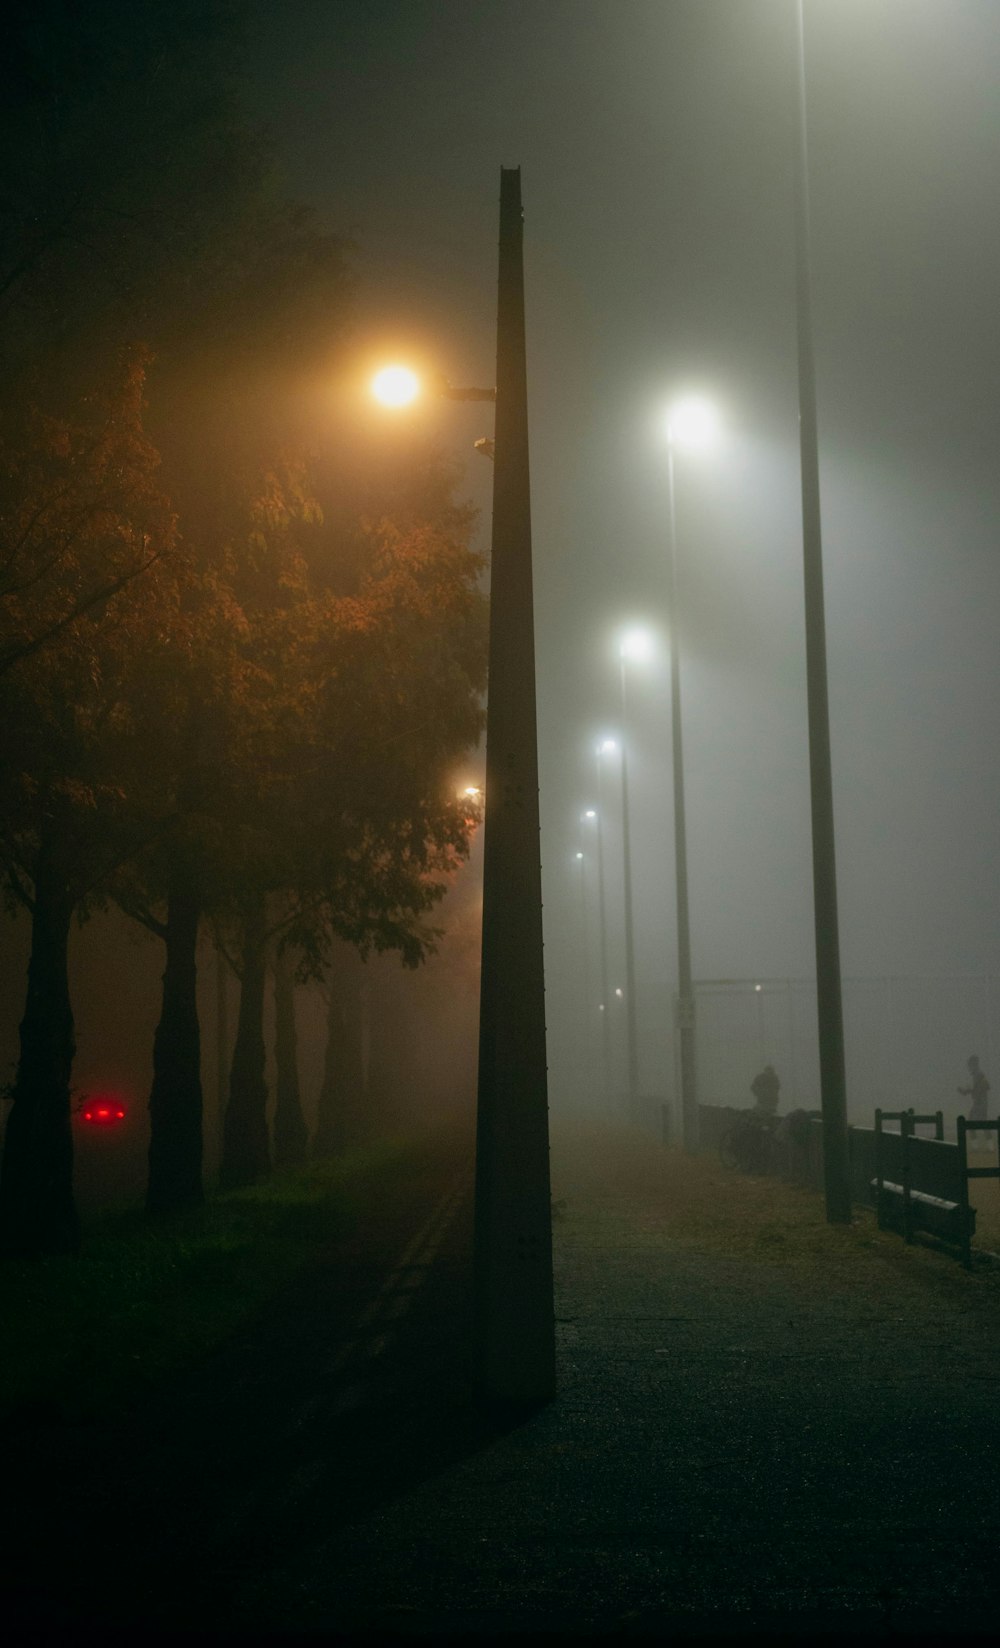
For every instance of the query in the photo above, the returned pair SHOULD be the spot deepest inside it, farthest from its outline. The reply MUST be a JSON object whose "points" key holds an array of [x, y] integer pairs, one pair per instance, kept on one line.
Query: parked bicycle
{"points": [[748, 1144]]}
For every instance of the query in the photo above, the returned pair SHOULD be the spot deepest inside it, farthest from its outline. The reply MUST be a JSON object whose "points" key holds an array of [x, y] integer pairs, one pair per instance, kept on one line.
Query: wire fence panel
{"points": [[906, 1041]]}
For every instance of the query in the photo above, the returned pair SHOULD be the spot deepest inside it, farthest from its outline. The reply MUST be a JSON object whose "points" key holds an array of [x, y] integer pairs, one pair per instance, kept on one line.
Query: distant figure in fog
{"points": [[977, 1093], [765, 1089]]}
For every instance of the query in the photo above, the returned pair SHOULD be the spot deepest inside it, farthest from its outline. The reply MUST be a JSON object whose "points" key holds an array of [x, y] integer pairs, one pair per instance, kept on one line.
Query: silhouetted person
{"points": [[977, 1093], [765, 1089]]}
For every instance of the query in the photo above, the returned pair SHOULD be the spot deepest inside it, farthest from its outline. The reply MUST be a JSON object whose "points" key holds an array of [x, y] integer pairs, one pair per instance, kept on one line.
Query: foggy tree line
{"points": [[242, 644]]}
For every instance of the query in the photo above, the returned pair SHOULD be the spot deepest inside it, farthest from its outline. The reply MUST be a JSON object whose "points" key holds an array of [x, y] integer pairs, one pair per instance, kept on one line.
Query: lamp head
{"points": [[692, 424], [395, 386], [637, 645]]}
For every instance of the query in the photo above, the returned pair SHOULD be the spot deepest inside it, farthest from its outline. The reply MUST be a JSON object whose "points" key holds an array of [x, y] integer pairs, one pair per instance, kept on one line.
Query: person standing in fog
{"points": [[977, 1093], [765, 1089]]}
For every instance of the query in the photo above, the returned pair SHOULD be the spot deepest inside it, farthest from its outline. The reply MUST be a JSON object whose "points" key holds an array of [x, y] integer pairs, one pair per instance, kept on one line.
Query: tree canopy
{"points": [[242, 666]]}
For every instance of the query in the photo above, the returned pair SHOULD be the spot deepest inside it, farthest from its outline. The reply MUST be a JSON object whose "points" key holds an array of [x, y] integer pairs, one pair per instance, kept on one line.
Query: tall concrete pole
{"points": [[515, 1327], [685, 987], [833, 1087], [631, 1028]]}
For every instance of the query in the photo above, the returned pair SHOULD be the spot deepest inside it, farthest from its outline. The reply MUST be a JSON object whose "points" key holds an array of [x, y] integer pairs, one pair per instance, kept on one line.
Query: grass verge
{"points": [[146, 1297], [699, 1204]]}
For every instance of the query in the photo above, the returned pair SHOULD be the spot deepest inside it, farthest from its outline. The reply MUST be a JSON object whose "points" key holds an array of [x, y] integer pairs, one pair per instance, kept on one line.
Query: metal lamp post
{"points": [[636, 644], [514, 1319], [691, 422], [515, 1326], [833, 1085]]}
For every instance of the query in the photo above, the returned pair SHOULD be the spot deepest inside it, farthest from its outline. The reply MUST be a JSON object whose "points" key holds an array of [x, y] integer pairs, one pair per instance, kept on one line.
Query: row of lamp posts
{"points": [[515, 1330], [691, 426]]}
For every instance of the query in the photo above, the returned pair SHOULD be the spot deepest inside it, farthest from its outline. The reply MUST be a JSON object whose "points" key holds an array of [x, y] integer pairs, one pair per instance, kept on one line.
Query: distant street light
{"points": [[636, 645], [691, 426]]}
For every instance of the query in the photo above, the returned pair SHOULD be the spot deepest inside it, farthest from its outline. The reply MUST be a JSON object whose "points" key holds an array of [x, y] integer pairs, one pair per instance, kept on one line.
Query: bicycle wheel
{"points": [[757, 1152], [730, 1148]]}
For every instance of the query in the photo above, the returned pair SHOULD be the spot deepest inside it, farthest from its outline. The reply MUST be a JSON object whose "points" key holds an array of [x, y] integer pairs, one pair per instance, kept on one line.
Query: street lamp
{"points": [[514, 1311], [832, 1075], [691, 426], [514, 1316], [636, 645], [395, 386]]}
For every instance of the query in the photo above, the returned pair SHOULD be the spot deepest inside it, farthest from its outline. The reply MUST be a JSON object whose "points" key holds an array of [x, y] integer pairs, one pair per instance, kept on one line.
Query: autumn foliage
{"points": [[239, 668]]}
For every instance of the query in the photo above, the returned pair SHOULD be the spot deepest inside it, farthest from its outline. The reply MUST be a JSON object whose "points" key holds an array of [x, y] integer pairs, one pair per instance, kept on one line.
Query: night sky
{"points": [[655, 141]]}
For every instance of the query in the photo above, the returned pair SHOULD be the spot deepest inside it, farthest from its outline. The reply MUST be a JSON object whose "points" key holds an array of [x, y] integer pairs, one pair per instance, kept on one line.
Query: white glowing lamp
{"points": [[692, 424], [637, 645]]}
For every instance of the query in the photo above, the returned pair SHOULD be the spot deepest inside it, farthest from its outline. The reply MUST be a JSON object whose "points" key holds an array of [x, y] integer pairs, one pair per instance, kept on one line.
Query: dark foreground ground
{"points": [[766, 1430]]}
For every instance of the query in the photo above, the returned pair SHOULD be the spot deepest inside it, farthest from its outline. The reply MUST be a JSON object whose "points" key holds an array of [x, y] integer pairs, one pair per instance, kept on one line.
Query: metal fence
{"points": [[906, 1041]]}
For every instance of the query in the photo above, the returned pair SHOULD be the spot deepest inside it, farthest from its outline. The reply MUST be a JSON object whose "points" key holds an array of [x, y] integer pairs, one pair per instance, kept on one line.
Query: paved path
{"points": [[765, 1429], [745, 1443]]}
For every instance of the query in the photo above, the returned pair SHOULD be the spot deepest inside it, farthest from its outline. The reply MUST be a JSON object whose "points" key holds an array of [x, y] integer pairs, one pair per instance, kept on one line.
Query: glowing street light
{"points": [[692, 424], [396, 386], [637, 646]]}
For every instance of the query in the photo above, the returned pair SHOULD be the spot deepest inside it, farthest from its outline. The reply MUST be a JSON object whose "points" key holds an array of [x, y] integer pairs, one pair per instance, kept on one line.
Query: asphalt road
{"points": [[747, 1443]]}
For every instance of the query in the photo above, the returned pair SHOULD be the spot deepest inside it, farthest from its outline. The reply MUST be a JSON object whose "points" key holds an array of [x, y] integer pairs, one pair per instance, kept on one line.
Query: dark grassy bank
{"points": [[147, 1297]]}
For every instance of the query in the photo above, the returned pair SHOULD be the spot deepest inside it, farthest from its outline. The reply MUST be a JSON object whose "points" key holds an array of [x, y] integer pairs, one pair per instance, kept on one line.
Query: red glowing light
{"points": [[106, 1112]]}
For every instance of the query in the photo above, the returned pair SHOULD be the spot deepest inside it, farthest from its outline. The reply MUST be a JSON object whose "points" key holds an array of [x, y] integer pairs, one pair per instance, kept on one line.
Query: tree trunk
{"points": [[246, 1151], [342, 1109], [175, 1102], [291, 1136], [37, 1211], [389, 1073]]}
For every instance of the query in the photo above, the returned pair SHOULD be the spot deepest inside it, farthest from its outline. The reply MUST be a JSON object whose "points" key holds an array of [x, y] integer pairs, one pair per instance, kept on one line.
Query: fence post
{"points": [[939, 1124], [878, 1170], [963, 1191], [906, 1134]]}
